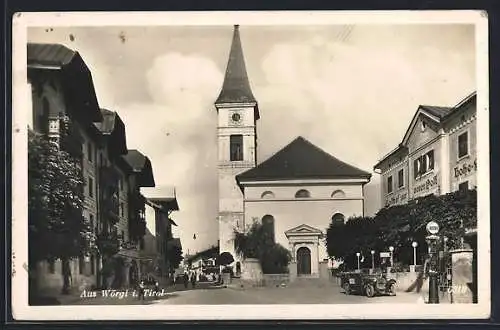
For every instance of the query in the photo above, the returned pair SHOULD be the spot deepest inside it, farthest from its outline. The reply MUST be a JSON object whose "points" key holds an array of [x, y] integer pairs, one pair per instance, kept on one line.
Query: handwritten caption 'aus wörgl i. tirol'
{"points": [[121, 294]]}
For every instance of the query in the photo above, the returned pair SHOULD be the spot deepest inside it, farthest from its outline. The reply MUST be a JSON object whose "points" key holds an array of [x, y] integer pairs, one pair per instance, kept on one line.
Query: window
{"points": [[122, 207], [416, 167], [267, 195], [463, 187], [338, 219], [389, 184], [91, 187], [81, 264], [268, 223], [302, 194], [401, 179], [236, 147], [91, 220], [423, 164], [463, 145], [338, 194], [123, 235], [89, 152], [52, 266]]}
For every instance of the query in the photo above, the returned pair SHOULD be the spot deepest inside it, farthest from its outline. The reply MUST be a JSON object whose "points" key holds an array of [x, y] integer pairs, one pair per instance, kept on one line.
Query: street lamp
{"points": [[357, 255], [414, 244], [373, 260], [391, 249]]}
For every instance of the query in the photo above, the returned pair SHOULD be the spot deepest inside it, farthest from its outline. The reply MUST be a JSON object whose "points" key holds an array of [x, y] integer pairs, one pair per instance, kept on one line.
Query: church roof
{"points": [[301, 159], [236, 87]]}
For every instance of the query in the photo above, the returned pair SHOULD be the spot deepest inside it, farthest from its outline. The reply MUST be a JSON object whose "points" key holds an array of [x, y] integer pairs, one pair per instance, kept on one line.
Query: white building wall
{"points": [[316, 211]]}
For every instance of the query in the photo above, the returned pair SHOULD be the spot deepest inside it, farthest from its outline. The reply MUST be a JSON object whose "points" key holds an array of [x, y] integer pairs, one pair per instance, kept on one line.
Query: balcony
{"points": [[110, 206]]}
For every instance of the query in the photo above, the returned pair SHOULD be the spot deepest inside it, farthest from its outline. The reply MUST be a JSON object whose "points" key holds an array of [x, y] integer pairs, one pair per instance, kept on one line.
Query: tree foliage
{"points": [[224, 259], [400, 225], [174, 257], [57, 228], [258, 242]]}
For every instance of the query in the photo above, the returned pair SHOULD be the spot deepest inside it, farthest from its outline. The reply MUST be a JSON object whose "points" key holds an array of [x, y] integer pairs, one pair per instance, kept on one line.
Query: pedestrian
{"points": [[157, 286], [193, 280], [141, 290], [186, 280]]}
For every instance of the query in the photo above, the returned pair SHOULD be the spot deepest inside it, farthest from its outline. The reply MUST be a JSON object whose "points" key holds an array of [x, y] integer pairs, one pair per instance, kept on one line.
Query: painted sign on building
{"points": [[426, 185], [465, 169]]}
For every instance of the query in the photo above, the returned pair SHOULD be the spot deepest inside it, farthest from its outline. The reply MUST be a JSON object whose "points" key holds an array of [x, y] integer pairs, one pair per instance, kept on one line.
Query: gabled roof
{"points": [[49, 55], [236, 87], [113, 127], [303, 230], [436, 113], [168, 203], [76, 77], [439, 112], [301, 159], [141, 165]]}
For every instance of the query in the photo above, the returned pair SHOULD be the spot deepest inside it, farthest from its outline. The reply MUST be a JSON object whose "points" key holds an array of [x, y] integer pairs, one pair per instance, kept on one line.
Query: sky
{"points": [[350, 89]]}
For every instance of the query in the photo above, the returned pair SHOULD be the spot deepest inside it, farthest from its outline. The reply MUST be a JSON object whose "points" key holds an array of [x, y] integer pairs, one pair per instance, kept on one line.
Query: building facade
{"points": [[61, 89], [299, 191], [55, 74], [237, 112], [437, 154]]}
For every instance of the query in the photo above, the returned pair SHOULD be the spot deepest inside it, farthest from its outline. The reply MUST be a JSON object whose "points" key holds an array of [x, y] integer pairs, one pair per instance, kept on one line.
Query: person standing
{"points": [[193, 279], [186, 280], [141, 290]]}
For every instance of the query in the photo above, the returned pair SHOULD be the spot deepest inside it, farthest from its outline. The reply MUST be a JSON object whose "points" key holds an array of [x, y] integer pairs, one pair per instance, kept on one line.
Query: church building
{"points": [[299, 190]]}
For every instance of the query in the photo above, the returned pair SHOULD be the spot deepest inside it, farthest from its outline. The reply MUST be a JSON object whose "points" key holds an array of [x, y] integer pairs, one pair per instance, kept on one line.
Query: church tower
{"points": [[237, 113]]}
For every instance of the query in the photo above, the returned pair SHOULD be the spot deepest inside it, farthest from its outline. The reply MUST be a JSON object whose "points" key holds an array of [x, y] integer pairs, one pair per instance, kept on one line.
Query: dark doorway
{"points": [[303, 261]]}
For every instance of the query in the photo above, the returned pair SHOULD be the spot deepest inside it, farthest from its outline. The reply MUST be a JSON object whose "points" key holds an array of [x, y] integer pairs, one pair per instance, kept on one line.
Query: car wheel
{"points": [[369, 290], [347, 289], [392, 289]]}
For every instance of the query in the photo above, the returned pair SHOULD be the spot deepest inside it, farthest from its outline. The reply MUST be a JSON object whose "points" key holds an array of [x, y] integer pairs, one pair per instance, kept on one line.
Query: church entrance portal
{"points": [[303, 261]]}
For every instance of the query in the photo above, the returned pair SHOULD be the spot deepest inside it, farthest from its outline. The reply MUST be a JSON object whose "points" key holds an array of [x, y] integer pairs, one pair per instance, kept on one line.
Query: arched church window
{"points": [[268, 224], [236, 147], [303, 193], [267, 195], [338, 194], [338, 219]]}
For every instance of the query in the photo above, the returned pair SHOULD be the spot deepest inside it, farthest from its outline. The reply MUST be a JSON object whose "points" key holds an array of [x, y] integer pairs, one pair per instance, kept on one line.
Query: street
{"points": [[287, 295]]}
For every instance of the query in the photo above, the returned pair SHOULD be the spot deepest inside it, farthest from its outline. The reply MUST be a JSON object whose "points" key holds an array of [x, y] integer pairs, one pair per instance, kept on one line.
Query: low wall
{"points": [[251, 272], [274, 280]]}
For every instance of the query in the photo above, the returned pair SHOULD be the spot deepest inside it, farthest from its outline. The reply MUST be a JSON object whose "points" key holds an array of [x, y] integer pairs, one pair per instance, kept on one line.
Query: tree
{"points": [[258, 242], [174, 257], [224, 259], [400, 225], [57, 228]]}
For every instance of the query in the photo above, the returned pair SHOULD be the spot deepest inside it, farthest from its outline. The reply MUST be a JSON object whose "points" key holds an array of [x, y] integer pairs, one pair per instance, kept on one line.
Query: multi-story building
{"points": [[159, 238], [62, 88], [437, 154]]}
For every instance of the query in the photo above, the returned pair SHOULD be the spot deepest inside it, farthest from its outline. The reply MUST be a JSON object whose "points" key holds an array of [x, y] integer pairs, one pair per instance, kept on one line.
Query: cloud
{"points": [[354, 99], [177, 132]]}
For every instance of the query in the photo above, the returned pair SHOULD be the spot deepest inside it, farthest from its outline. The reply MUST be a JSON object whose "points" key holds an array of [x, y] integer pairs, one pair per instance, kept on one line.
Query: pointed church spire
{"points": [[236, 88]]}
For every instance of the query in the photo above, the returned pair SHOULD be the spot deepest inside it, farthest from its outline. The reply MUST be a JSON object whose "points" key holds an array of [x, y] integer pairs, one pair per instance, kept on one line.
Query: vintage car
{"points": [[367, 284]]}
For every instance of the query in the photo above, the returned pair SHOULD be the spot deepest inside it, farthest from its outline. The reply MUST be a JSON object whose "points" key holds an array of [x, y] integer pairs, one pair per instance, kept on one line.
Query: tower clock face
{"points": [[236, 117]]}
